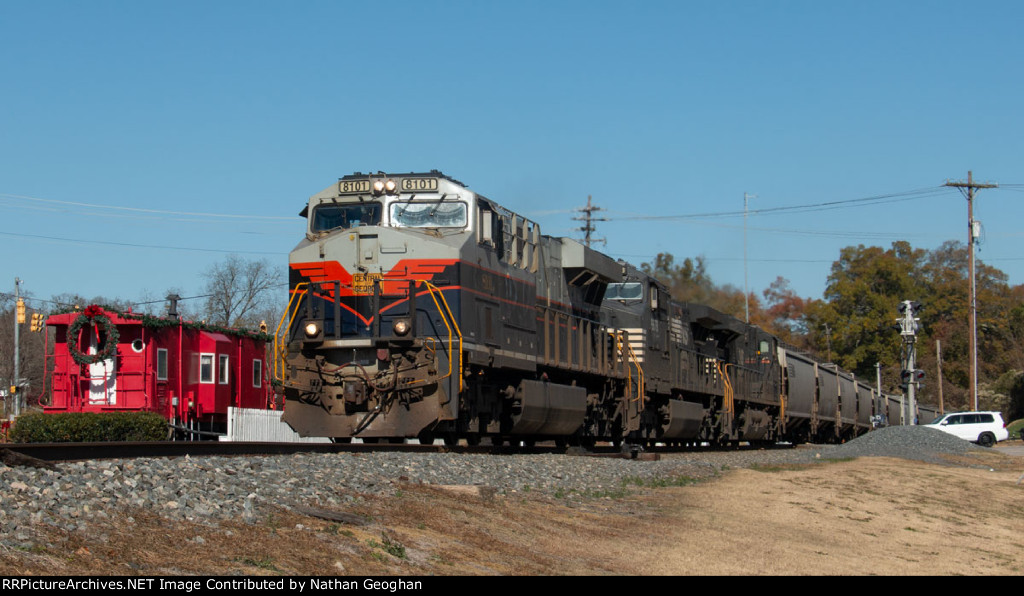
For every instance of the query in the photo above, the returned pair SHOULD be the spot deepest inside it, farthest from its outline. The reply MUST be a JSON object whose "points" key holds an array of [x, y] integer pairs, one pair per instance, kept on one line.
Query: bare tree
{"points": [[241, 292]]}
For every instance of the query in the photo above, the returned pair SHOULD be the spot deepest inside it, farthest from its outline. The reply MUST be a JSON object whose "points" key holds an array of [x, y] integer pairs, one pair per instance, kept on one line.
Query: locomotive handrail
{"points": [[639, 370], [278, 351], [449, 320], [727, 393], [431, 288]]}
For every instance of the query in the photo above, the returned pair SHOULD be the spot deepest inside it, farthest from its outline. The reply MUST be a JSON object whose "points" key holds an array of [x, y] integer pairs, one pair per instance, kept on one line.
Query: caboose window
{"points": [[161, 364], [435, 214], [257, 373], [331, 216], [222, 369], [206, 368]]}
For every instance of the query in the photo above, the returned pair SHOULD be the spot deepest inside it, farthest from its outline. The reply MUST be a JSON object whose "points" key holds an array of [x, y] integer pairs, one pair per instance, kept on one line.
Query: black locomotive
{"points": [[422, 309]]}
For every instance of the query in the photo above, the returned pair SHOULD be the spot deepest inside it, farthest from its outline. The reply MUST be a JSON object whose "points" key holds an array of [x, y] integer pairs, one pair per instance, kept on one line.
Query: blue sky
{"points": [[142, 142]]}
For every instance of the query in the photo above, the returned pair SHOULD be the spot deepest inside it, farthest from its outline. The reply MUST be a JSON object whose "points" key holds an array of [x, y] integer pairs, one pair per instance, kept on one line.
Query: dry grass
{"points": [[870, 516]]}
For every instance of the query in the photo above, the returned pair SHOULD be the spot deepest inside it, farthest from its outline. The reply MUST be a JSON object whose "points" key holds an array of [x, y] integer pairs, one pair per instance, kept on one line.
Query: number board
{"points": [[418, 184], [347, 187]]}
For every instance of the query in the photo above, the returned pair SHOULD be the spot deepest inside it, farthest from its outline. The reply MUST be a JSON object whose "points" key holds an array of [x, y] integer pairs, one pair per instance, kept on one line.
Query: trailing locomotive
{"points": [[420, 308]]}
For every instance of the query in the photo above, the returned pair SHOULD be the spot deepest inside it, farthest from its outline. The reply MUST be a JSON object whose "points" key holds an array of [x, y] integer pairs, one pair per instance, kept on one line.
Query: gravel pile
{"points": [[909, 442], [208, 489]]}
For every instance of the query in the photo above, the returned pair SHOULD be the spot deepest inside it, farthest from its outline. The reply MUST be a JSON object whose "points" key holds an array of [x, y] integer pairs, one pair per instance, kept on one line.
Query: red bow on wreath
{"points": [[93, 316]]}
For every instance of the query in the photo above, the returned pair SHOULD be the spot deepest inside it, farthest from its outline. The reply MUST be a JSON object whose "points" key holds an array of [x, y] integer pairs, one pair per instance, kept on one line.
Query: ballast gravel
{"points": [[209, 489]]}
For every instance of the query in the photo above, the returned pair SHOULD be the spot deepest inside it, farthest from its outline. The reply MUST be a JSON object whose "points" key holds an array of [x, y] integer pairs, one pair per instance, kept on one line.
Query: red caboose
{"points": [[105, 361]]}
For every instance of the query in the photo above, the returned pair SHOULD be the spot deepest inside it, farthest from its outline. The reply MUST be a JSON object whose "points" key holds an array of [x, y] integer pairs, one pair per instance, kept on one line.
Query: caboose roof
{"points": [[129, 318]]}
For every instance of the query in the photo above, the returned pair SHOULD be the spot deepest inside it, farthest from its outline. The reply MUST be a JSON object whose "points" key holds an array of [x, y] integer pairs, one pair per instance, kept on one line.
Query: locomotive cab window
{"points": [[433, 214], [332, 216], [485, 226], [624, 292]]}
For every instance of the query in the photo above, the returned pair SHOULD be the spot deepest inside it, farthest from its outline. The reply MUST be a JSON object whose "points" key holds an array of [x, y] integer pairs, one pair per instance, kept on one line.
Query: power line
{"points": [[132, 245], [826, 205], [152, 211]]}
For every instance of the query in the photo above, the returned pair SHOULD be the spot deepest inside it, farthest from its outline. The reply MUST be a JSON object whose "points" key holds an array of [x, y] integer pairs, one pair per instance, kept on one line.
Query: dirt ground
{"points": [[859, 517]]}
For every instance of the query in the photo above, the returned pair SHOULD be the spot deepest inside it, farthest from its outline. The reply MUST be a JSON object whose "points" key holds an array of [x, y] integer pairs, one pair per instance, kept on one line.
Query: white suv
{"points": [[983, 428]]}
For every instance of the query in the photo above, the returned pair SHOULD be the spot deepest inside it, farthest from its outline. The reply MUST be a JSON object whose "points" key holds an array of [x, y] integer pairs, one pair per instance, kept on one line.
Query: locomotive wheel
{"points": [[371, 440], [426, 438], [450, 440]]}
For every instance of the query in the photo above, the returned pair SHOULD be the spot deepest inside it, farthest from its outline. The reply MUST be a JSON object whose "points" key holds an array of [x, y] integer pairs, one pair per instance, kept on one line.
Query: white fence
{"points": [[263, 426]]}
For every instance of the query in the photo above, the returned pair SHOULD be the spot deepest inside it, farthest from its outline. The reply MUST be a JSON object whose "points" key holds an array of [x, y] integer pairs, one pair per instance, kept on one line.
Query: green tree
{"points": [[855, 321]]}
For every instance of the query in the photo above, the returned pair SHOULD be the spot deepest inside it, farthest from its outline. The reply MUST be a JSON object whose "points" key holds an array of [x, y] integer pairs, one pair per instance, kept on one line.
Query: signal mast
{"points": [[910, 376]]}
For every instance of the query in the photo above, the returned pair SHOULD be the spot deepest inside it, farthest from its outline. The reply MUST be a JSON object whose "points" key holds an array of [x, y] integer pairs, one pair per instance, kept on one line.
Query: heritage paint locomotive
{"points": [[420, 308]]}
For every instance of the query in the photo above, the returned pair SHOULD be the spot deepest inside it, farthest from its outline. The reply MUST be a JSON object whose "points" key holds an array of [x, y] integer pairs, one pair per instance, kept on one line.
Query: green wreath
{"points": [[93, 316]]}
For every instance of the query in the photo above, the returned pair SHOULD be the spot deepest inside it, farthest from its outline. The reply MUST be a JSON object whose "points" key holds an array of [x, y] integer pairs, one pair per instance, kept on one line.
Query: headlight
{"points": [[401, 327], [390, 186], [378, 187], [312, 329]]}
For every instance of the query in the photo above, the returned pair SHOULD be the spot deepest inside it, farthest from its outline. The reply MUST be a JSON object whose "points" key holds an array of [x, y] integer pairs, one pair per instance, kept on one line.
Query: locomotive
{"points": [[421, 309]]}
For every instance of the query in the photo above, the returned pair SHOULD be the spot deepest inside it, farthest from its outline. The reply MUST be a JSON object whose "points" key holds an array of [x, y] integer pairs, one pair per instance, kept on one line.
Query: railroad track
{"points": [[64, 452]]}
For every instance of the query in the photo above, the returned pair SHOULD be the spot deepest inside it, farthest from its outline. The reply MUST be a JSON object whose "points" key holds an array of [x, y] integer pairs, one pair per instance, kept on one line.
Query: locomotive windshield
{"points": [[429, 215], [624, 291], [330, 216]]}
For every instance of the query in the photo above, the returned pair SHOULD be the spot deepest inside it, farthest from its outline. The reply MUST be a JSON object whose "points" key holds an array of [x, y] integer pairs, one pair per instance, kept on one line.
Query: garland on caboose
{"points": [[160, 322], [93, 316]]}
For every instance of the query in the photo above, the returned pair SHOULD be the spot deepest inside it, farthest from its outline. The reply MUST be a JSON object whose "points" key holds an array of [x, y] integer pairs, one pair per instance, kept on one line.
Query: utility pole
{"points": [[588, 219], [967, 188], [938, 363], [19, 318], [746, 292]]}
